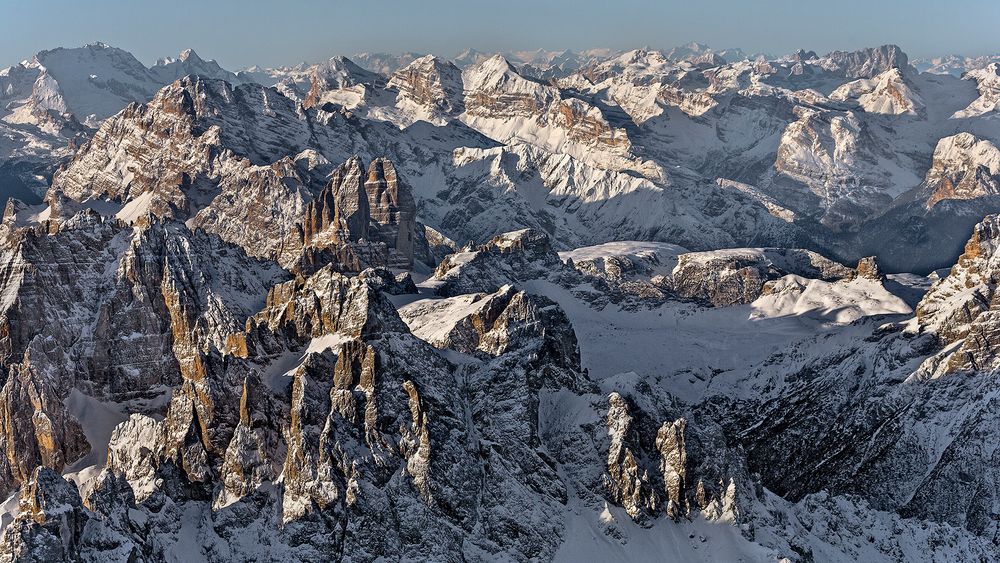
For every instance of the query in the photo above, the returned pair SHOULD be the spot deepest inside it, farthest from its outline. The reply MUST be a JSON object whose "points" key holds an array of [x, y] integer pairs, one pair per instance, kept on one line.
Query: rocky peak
{"points": [[503, 260], [962, 306], [890, 92], [364, 219], [658, 464], [964, 167], [339, 73], [869, 269], [323, 303], [892, 95], [629, 481], [430, 82], [187, 63], [341, 212], [499, 323], [51, 522], [803, 55], [870, 62], [393, 209], [491, 74]]}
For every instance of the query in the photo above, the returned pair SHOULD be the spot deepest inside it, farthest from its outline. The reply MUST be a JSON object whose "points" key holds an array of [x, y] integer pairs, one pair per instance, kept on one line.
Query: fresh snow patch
{"points": [[98, 420], [135, 208], [838, 302], [665, 253], [283, 365]]}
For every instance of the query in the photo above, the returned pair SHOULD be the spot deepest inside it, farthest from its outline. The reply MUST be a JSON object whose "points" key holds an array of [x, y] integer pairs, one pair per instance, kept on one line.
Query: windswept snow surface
{"points": [[692, 350], [98, 420], [838, 302]]}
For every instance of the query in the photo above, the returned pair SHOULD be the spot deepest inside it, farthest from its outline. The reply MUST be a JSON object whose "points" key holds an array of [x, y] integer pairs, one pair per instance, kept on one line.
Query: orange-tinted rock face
{"points": [[964, 167]]}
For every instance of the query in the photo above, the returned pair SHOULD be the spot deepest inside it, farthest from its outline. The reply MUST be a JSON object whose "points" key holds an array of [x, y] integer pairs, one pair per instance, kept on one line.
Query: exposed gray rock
{"points": [[730, 277]]}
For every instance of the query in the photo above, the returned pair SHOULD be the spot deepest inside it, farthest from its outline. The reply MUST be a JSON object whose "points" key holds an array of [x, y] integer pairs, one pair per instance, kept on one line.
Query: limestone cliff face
{"points": [[964, 167], [340, 213], [51, 524], [394, 210], [127, 314], [432, 85], [672, 469], [961, 308], [359, 220]]}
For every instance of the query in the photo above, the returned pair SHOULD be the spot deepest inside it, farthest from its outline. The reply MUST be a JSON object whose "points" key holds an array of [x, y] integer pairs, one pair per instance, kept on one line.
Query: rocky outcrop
{"points": [[729, 277], [667, 469], [964, 167], [955, 301], [673, 465], [503, 260], [51, 522], [629, 485], [869, 269], [495, 324], [358, 221], [960, 308], [341, 213], [383, 279], [36, 429]]}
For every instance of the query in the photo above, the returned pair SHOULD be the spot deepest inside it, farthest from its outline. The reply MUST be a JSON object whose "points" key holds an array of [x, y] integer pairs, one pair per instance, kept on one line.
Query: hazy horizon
{"points": [[242, 34]]}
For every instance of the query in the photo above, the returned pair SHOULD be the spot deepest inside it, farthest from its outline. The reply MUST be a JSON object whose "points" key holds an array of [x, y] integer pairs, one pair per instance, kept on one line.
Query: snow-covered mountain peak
{"points": [[429, 88], [469, 58], [187, 63], [342, 71], [888, 93], [491, 73], [342, 81], [93, 82], [988, 84], [964, 167]]}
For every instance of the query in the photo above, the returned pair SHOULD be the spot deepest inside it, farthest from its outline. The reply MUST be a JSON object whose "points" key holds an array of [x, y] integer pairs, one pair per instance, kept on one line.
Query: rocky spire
{"points": [[868, 268], [394, 209], [340, 214]]}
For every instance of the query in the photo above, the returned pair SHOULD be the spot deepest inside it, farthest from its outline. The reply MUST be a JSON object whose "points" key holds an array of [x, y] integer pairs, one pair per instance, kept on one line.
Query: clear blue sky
{"points": [[275, 32]]}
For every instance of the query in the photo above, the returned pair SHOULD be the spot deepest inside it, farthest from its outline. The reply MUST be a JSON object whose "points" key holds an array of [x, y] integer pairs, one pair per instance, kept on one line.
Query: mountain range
{"points": [[543, 305]]}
